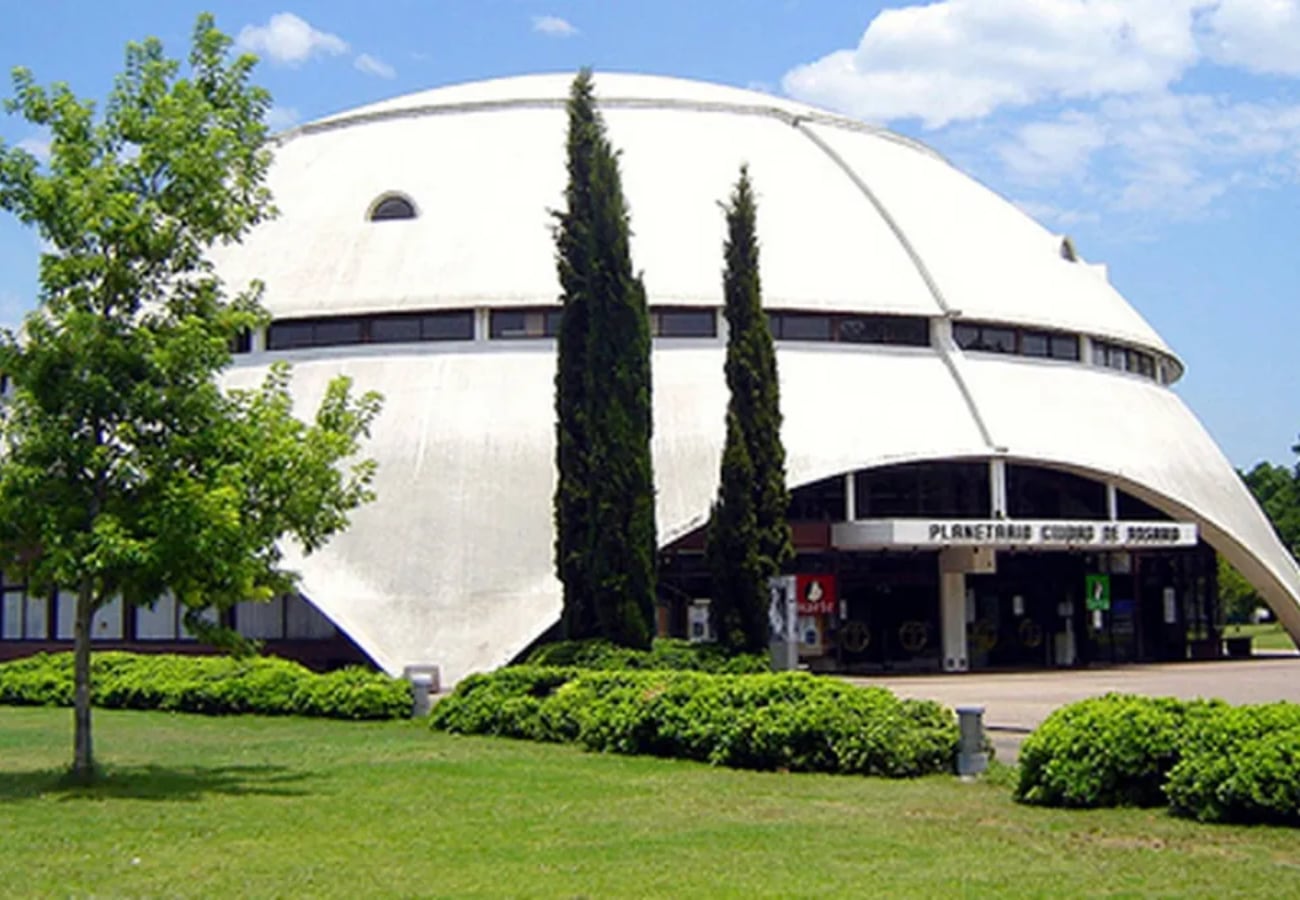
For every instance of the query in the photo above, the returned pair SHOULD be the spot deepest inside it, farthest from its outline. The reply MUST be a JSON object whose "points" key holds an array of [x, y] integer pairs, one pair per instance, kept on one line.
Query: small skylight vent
{"points": [[391, 206], [1068, 253]]}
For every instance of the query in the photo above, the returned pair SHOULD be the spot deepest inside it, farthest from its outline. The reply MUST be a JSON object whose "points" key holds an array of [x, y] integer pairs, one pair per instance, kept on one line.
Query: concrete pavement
{"points": [[1016, 702]]}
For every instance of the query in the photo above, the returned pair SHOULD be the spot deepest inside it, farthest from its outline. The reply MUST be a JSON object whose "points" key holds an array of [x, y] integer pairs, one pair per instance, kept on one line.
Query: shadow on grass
{"points": [[155, 783]]}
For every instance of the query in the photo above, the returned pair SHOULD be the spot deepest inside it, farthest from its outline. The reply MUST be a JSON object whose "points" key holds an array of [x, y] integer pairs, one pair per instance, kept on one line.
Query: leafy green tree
{"points": [[126, 471], [1236, 595], [742, 562], [604, 502], [1278, 492]]}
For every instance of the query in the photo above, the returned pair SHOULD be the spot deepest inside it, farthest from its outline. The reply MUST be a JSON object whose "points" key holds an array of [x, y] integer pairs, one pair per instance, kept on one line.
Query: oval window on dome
{"points": [[392, 206]]}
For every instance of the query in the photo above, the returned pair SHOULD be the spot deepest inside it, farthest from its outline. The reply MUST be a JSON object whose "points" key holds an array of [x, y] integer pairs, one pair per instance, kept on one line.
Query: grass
{"points": [[195, 806], [1267, 636]]}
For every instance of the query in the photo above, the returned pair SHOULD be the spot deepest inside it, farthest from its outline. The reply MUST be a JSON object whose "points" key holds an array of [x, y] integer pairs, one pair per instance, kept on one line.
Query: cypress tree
{"points": [[573, 260], [738, 610], [605, 518], [755, 405]]}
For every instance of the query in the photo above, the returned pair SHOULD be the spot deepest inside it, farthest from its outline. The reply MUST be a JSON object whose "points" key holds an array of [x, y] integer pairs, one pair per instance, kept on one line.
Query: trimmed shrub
{"points": [[1241, 765], [1205, 759], [1114, 750], [789, 721], [214, 685], [665, 653]]}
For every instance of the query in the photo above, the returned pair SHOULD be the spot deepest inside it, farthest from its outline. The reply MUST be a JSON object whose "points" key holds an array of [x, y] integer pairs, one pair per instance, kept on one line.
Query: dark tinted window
{"points": [[510, 324], [924, 489], [395, 329], [392, 208], [289, 335], [337, 331], [684, 323], [448, 326], [821, 501], [804, 327], [913, 331], [381, 329], [1035, 343], [1036, 493], [1065, 346]]}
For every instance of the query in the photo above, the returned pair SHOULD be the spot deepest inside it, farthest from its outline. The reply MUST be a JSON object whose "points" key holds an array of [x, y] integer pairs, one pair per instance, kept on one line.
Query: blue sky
{"points": [[1162, 135]]}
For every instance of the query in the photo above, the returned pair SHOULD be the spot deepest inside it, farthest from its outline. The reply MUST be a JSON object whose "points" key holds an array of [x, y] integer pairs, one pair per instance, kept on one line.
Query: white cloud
{"points": [[553, 26], [1049, 149], [1258, 35], [38, 147], [281, 118], [1082, 104], [289, 40], [964, 59], [374, 66]]}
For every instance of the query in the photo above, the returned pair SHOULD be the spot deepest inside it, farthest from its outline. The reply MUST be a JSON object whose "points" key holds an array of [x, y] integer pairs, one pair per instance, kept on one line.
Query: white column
{"points": [[257, 340], [850, 497], [952, 615], [998, 488], [1112, 502]]}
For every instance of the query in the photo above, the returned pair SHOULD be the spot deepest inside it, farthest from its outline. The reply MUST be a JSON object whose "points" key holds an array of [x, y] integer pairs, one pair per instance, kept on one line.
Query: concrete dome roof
{"points": [[853, 218], [453, 563]]}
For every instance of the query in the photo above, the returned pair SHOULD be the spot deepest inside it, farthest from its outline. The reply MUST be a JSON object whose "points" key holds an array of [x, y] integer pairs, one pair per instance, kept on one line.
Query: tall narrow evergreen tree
{"points": [[755, 407], [739, 583], [604, 501], [572, 442]]}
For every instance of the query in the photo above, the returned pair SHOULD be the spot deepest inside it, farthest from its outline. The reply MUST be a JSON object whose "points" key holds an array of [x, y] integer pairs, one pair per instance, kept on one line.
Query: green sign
{"points": [[1096, 591]]}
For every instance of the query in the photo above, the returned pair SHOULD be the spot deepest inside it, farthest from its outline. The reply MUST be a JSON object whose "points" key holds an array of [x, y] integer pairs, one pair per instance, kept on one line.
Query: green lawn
{"points": [[1268, 636], [290, 807]]}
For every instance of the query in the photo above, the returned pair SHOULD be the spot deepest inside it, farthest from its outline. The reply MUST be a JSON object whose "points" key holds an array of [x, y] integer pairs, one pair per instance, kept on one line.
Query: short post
{"points": [[424, 684], [971, 758]]}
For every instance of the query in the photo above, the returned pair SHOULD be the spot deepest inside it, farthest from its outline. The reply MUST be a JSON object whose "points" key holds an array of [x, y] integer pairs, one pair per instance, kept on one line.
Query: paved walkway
{"points": [[1014, 703]]}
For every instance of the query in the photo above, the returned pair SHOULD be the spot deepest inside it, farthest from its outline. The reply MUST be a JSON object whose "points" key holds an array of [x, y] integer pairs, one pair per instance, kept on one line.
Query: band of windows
{"points": [[334, 331], [910, 331], [993, 338], [693, 322], [1125, 359]]}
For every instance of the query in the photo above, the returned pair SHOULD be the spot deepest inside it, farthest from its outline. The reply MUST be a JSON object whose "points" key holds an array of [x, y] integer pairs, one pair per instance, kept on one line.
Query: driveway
{"points": [[1014, 703]]}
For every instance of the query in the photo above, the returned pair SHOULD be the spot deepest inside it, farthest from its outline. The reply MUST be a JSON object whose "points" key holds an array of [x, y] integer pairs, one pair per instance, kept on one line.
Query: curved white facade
{"points": [[452, 565]]}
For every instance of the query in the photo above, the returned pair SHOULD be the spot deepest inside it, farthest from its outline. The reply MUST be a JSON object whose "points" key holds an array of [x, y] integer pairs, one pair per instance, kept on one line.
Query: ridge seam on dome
{"points": [[346, 120], [897, 230]]}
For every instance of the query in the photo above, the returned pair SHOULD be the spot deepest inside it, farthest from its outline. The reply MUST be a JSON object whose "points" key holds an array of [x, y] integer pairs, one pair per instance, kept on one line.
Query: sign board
{"points": [[783, 622], [1028, 533], [817, 594], [1096, 591]]}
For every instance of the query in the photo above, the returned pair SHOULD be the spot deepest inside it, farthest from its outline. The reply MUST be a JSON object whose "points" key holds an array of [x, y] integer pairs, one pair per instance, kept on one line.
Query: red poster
{"points": [[817, 594]]}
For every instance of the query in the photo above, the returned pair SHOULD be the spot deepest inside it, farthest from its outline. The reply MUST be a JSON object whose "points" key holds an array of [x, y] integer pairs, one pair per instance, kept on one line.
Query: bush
{"points": [[213, 685], [1115, 750], [1241, 765], [789, 721], [1206, 760], [665, 653]]}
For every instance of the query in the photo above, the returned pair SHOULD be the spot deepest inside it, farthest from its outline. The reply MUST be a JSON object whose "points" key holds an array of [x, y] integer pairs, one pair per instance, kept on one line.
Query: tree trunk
{"points": [[83, 757]]}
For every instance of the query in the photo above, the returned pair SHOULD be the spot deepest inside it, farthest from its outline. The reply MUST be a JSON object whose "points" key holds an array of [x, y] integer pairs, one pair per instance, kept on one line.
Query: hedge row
{"points": [[788, 721], [665, 653], [214, 685], [1204, 759]]}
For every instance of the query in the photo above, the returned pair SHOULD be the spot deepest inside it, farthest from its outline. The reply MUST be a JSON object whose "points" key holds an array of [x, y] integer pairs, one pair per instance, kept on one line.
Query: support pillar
{"points": [[998, 488], [952, 616], [850, 497]]}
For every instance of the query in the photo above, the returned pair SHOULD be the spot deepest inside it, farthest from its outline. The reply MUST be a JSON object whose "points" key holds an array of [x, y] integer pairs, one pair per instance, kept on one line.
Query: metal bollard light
{"points": [[424, 684], [971, 758]]}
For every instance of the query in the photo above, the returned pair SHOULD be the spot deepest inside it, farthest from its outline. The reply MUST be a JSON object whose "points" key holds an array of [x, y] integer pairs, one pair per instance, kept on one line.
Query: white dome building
{"points": [[979, 428]]}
